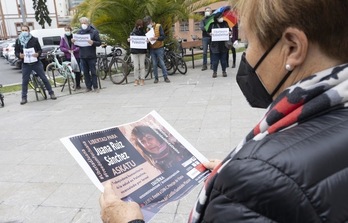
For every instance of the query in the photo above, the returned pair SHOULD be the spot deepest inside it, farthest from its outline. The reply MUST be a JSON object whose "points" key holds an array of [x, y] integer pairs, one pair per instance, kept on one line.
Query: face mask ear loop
{"points": [[281, 83], [265, 54]]}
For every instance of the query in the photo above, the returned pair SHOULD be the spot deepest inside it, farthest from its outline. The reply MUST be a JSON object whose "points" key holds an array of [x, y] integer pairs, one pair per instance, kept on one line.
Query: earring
{"points": [[288, 67]]}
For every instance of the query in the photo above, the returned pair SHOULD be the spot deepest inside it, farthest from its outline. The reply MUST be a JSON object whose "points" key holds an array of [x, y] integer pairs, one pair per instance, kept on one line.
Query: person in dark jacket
{"points": [[293, 165], [138, 55], [29, 50], [206, 38], [69, 48], [234, 37], [218, 49], [88, 54]]}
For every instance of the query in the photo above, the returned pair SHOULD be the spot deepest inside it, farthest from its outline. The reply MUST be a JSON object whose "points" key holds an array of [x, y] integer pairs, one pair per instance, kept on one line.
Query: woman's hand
{"points": [[211, 164], [114, 210]]}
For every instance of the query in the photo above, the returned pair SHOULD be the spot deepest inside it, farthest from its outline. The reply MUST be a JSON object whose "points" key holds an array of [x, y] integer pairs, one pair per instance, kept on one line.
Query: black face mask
{"points": [[251, 86]]}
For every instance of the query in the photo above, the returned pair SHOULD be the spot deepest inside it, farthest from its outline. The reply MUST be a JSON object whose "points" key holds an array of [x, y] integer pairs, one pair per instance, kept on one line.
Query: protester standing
{"points": [[27, 44], [138, 55], [206, 37], [68, 47], [156, 48], [88, 54]]}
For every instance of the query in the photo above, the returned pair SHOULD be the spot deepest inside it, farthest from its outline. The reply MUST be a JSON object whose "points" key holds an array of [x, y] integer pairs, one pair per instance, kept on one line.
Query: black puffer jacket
{"points": [[138, 32], [298, 175]]}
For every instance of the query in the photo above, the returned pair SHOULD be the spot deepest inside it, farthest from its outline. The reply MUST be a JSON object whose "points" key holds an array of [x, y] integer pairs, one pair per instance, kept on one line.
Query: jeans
{"points": [[222, 57], [90, 72], [205, 42], [26, 71], [157, 55]]}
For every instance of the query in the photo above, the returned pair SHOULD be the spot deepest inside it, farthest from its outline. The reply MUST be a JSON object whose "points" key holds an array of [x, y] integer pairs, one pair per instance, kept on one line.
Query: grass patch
{"points": [[18, 87]]}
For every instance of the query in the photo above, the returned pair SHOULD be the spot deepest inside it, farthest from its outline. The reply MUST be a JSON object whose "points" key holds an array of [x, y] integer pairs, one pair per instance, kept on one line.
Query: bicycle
{"points": [[176, 59], [2, 98], [63, 69], [37, 85], [116, 67]]}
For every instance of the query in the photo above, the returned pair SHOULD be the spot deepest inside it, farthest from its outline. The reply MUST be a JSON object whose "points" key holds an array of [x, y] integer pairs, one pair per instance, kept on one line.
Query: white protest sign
{"points": [[150, 34], [220, 34], [138, 42], [81, 39], [28, 55]]}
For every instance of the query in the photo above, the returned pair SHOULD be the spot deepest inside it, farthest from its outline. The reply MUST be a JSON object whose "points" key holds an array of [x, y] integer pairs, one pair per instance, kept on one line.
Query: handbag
{"points": [[74, 65], [229, 44]]}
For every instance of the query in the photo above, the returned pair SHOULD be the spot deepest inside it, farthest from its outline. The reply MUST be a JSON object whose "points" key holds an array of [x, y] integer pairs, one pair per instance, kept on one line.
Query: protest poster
{"points": [[220, 34], [81, 40], [146, 161], [28, 55], [138, 42], [150, 34]]}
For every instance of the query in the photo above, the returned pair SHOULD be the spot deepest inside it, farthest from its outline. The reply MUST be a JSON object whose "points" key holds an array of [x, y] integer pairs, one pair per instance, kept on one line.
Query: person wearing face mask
{"points": [[292, 166], [68, 47], [88, 54], [218, 49], [28, 44], [206, 38], [138, 55], [156, 49]]}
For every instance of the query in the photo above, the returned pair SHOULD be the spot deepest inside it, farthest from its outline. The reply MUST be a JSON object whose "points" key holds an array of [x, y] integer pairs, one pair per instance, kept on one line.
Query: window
{"points": [[197, 26], [184, 26], [52, 40]]}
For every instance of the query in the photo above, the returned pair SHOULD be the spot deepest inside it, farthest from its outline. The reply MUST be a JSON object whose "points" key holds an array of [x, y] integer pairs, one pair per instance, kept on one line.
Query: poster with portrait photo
{"points": [[146, 161]]}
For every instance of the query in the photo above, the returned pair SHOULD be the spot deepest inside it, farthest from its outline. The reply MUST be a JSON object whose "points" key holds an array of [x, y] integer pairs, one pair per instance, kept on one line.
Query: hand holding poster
{"points": [[138, 42], [220, 34], [28, 55], [81, 40], [145, 161]]}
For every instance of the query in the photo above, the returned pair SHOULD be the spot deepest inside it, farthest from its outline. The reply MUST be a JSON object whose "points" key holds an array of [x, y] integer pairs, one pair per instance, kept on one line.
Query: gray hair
{"points": [[147, 19], [84, 19]]}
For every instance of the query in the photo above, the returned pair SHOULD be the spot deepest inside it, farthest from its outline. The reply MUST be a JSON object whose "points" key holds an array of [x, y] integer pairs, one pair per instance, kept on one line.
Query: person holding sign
{"points": [[156, 37], [28, 49], [138, 49], [219, 31], [70, 50], [88, 39]]}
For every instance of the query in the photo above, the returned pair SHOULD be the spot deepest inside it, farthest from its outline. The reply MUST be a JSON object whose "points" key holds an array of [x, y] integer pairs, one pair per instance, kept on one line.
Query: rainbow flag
{"points": [[230, 17]]}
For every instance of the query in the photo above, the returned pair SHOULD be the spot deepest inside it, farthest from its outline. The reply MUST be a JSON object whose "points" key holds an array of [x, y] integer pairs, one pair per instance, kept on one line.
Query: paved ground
{"points": [[41, 183]]}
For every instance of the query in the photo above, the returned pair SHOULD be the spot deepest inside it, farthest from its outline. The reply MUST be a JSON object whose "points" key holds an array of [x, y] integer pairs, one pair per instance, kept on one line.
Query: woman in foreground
{"points": [[293, 166]]}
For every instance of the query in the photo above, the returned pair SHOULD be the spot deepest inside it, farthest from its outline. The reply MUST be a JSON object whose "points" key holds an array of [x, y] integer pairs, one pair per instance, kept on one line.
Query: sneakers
{"points": [[78, 87], [88, 90], [24, 101], [156, 81], [204, 67], [234, 65], [53, 97], [214, 75], [166, 80], [224, 74]]}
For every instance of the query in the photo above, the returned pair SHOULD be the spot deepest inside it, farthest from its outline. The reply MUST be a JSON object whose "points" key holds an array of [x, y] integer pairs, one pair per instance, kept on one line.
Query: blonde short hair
{"points": [[323, 21]]}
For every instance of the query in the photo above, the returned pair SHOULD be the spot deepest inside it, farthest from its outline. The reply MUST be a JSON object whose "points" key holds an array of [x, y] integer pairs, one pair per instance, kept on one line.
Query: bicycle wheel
{"points": [[102, 68], [117, 70], [71, 79], [181, 66], [39, 87], [170, 64], [148, 66], [50, 72]]}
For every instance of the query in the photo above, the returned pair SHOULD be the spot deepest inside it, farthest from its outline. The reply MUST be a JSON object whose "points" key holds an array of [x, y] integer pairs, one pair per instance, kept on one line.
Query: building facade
{"points": [[13, 13]]}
